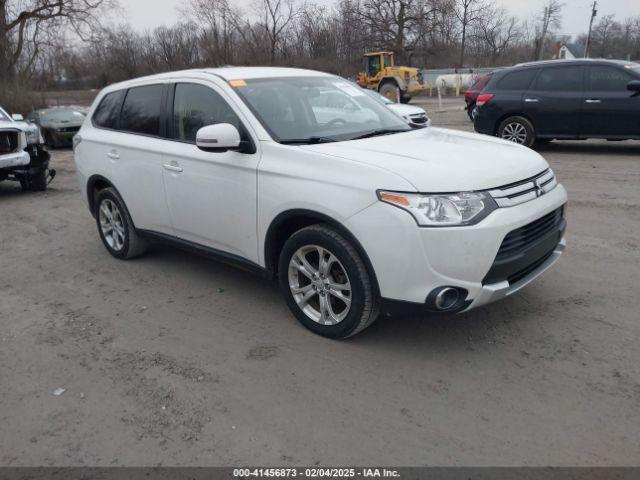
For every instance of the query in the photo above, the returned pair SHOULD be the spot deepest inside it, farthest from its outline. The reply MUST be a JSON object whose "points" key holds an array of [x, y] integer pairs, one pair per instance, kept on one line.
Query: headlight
{"points": [[34, 136], [442, 210]]}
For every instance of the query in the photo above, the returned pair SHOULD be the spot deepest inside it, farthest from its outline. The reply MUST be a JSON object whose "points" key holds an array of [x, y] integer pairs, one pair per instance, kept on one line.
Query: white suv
{"points": [[352, 210]]}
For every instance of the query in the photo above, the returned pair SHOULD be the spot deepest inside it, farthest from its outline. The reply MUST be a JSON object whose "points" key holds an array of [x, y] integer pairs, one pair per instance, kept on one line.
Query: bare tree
{"points": [[605, 32], [392, 23], [220, 23], [275, 16], [497, 31], [26, 21], [551, 18], [467, 12]]}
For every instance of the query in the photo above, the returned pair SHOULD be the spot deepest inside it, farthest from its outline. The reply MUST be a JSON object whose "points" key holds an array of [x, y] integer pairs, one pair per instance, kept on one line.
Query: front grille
{"points": [[525, 190], [9, 141], [524, 250], [521, 238], [516, 277], [69, 129], [419, 119]]}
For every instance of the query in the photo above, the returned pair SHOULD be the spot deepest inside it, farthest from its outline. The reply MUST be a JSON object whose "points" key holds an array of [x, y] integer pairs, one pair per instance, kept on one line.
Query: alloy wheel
{"points": [[112, 225], [320, 285], [515, 132]]}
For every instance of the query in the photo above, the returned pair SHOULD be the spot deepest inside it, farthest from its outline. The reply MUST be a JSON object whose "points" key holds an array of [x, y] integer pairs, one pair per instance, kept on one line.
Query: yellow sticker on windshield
{"points": [[237, 83]]}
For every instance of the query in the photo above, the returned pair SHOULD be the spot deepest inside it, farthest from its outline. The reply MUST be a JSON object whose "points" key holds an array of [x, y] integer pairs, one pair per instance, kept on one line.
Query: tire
{"points": [[518, 130], [337, 320], [389, 90], [38, 181], [121, 240], [472, 110], [405, 99], [48, 141]]}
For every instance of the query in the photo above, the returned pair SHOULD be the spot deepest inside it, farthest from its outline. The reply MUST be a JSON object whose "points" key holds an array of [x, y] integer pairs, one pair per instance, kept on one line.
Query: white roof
{"points": [[227, 73]]}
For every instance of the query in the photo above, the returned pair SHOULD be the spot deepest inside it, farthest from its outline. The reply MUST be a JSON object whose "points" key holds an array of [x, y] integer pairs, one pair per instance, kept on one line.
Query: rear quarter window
{"points": [[106, 115], [518, 80], [141, 110]]}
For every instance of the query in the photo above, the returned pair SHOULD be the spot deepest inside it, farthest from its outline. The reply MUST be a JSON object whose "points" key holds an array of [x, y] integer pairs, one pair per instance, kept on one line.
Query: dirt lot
{"points": [[176, 360]]}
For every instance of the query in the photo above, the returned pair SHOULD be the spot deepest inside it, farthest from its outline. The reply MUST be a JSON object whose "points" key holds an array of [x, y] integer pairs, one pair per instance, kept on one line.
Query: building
{"points": [[568, 51]]}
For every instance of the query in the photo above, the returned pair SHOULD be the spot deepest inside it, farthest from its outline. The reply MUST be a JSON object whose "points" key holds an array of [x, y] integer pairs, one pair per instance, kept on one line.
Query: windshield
{"points": [[316, 109], [62, 116], [380, 98], [3, 116]]}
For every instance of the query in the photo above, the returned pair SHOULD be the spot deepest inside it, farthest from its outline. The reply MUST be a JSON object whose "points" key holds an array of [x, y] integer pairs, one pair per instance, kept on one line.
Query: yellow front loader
{"points": [[399, 84]]}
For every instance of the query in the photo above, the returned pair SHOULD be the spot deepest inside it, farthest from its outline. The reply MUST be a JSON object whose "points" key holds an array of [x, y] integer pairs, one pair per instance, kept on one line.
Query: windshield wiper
{"points": [[307, 141], [379, 132]]}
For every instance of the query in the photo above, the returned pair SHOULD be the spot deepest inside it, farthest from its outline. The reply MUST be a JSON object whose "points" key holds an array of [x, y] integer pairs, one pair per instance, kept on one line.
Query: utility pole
{"points": [[594, 12]]}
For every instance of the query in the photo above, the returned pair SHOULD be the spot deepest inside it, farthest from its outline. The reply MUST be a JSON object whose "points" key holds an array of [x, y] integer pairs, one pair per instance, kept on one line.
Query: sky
{"points": [[148, 14]]}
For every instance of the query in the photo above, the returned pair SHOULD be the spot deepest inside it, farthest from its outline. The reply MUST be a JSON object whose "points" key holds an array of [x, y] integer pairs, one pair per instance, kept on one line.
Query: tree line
{"points": [[53, 43]]}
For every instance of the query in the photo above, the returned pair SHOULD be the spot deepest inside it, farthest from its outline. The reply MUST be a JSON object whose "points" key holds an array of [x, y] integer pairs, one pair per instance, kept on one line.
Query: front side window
{"points": [[141, 110], [560, 79], [608, 79], [4, 117], [374, 66], [301, 109], [196, 106]]}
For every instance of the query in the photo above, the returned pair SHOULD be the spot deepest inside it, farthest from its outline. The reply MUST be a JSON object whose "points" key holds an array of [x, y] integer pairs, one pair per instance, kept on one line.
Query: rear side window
{"points": [[106, 115], [519, 80], [196, 106], [560, 79], [608, 79], [141, 110]]}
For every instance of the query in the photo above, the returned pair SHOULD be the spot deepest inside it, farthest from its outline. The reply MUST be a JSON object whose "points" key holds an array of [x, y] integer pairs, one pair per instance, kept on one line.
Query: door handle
{"points": [[113, 155], [531, 100], [592, 100], [173, 167]]}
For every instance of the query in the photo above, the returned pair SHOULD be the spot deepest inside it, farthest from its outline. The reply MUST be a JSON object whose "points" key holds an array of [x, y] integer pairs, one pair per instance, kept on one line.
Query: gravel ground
{"points": [[172, 359]]}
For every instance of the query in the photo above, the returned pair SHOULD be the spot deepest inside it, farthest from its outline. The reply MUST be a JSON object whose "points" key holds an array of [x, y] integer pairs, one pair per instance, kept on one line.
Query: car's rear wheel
{"points": [[472, 111], [115, 227], [326, 284], [518, 130]]}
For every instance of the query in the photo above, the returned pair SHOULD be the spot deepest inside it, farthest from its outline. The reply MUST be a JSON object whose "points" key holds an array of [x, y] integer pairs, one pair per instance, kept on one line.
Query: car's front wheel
{"points": [[518, 130], [326, 284], [115, 226]]}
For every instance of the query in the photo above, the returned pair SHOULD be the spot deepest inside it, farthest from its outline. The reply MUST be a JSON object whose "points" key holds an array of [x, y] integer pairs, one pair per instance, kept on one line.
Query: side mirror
{"points": [[634, 86], [218, 138], [17, 117]]}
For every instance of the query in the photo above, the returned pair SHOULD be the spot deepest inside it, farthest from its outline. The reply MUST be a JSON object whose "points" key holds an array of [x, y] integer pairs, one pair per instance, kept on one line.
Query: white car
{"points": [[22, 156], [352, 217], [412, 114]]}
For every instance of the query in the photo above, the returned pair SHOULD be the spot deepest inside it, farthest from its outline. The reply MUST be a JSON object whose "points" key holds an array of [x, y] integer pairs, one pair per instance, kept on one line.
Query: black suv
{"points": [[562, 99]]}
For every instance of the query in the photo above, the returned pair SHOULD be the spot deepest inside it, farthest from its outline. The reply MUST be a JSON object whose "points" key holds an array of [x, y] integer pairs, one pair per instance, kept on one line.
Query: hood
{"points": [[436, 160], [22, 126], [62, 124], [406, 110]]}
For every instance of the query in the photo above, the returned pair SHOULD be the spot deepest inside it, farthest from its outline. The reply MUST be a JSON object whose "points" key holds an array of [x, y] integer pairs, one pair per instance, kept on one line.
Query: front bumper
{"points": [[410, 262], [497, 291], [415, 88], [12, 160]]}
